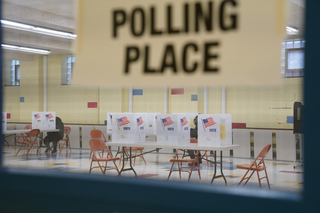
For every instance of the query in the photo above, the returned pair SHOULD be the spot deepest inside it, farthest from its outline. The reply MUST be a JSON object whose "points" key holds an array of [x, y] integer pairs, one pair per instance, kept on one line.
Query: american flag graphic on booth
{"points": [[166, 121], [123, 121], [37, 116], [49, 116], [139, 121], [183, 121], [208, 122]]}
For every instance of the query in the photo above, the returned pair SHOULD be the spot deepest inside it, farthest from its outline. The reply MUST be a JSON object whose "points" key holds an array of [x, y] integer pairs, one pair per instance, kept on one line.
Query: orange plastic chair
{"points": [[194, 163], [97, 144], [136, 154], [256, 167], [30, 139], [99, 134], [63, 142], [28, 126]]}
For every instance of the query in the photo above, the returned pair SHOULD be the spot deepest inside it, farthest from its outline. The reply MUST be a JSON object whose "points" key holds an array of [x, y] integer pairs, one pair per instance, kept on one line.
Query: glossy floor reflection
{"points": [[282, 175]]}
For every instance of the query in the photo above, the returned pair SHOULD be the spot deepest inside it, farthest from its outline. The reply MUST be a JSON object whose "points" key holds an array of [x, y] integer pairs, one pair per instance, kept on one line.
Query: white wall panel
{"points": [[241, 137], [74, 136], [286, 146], [86, 129], [261, 139]]}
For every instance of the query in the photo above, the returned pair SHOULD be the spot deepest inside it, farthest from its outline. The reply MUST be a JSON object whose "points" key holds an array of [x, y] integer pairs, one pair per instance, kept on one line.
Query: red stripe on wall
{"points": [[92, 105], [177, 91], [8, 115], [239, 125]]}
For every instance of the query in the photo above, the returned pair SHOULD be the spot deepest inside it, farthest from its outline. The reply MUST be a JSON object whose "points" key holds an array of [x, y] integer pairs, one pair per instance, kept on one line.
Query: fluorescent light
{"points": [[292, 31], [34, 29], [25, 49]]}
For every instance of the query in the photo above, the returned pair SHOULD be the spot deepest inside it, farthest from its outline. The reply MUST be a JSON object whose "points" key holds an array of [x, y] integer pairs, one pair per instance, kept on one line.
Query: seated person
{"points": [[54, 137], [194, 134]]}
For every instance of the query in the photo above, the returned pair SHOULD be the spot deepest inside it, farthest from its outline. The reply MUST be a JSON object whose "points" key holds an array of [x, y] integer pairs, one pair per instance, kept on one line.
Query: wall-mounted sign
{"points": [[179, 43]]}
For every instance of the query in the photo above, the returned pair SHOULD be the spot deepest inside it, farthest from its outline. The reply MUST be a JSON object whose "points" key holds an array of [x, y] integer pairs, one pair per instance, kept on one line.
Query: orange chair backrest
{"points": [[33, 133], [97, 134], [96, 144], [264, 151], [67, 130], [193, 140], [28, 126]]}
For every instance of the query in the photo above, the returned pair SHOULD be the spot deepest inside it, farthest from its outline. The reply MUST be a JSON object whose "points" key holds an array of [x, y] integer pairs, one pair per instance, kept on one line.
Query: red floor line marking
{"points": [[292, 172]]}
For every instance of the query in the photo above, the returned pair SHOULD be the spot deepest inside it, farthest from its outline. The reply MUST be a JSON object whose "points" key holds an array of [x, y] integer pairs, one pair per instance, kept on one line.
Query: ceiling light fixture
{"points": [[292, 31], [34, 29], [25, 49]]}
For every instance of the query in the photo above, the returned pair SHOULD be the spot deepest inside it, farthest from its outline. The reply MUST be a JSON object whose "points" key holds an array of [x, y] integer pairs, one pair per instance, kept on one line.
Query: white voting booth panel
{"points": [[140, 127], [4, 121], [183, 128], [151, 123], [242, 137], [286, 146], [167, 125], [85, 130], [123, 127], [43, 120], [109, 121], [74, 136], [261, 139]]}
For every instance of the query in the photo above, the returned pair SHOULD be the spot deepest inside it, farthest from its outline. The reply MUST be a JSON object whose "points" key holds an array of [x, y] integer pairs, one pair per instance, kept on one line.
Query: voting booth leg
{"points": [[215, 167], [130, 161]]}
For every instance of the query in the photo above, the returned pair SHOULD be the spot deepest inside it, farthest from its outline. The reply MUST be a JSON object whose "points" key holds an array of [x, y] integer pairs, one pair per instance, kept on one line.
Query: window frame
{"points": [[47, 189]]}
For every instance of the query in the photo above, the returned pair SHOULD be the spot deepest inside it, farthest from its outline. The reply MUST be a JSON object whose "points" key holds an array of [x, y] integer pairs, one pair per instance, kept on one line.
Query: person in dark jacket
{"points": [[54, 137], [194, 134]]}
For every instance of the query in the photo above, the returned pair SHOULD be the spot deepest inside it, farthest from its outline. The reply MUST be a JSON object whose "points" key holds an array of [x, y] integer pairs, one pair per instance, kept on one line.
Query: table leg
{"points": [[130, 160], [215, 168]]}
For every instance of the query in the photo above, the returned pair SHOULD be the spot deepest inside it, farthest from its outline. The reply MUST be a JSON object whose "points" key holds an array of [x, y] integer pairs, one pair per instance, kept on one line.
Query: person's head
{"points": [[195, 120]]}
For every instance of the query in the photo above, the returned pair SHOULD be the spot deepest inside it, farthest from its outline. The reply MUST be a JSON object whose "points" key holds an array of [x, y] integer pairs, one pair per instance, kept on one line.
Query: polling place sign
{"points": [[179, 43]]}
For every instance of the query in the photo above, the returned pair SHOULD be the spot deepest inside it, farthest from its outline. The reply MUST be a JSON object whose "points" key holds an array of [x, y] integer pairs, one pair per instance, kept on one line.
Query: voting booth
{"points": [[215, 129], [109, 121], [183, 129], [167, 128], [4, 121], [151, 124], [43, 120], [225, 129], [140, 127], [123, 127]]}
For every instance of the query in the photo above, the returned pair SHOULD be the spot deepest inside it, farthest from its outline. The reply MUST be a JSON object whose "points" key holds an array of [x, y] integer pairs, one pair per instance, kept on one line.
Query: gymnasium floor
{"points": [[282, 175]]}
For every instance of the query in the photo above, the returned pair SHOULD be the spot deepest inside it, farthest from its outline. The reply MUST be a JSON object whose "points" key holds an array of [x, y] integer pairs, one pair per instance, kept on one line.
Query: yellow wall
{"points": [[150, 101], [265, 107], [183, 103]]}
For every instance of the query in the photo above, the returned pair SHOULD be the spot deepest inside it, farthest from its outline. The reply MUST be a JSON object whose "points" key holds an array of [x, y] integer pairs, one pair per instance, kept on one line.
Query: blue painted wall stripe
{"points": [[137, 92]]}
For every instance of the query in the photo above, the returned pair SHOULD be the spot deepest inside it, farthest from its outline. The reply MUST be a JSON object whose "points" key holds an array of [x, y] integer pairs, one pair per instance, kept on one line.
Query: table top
{"points": [[191, 146], [19, 131]]}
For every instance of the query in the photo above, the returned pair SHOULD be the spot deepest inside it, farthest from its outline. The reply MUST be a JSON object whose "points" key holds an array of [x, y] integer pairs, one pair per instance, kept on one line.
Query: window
{"points": [[67, 70], [15, 73], [290, 47]]}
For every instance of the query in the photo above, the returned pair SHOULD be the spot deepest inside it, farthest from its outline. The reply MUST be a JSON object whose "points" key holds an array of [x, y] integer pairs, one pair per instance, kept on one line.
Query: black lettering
{"points": [[154, 31], [233, 17], [169, 54], [135, 12], [116, 21], [129, 58], [209, 56], [186, 18], [146, 61], [169, 22], [207, 18], [184, 58]]}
